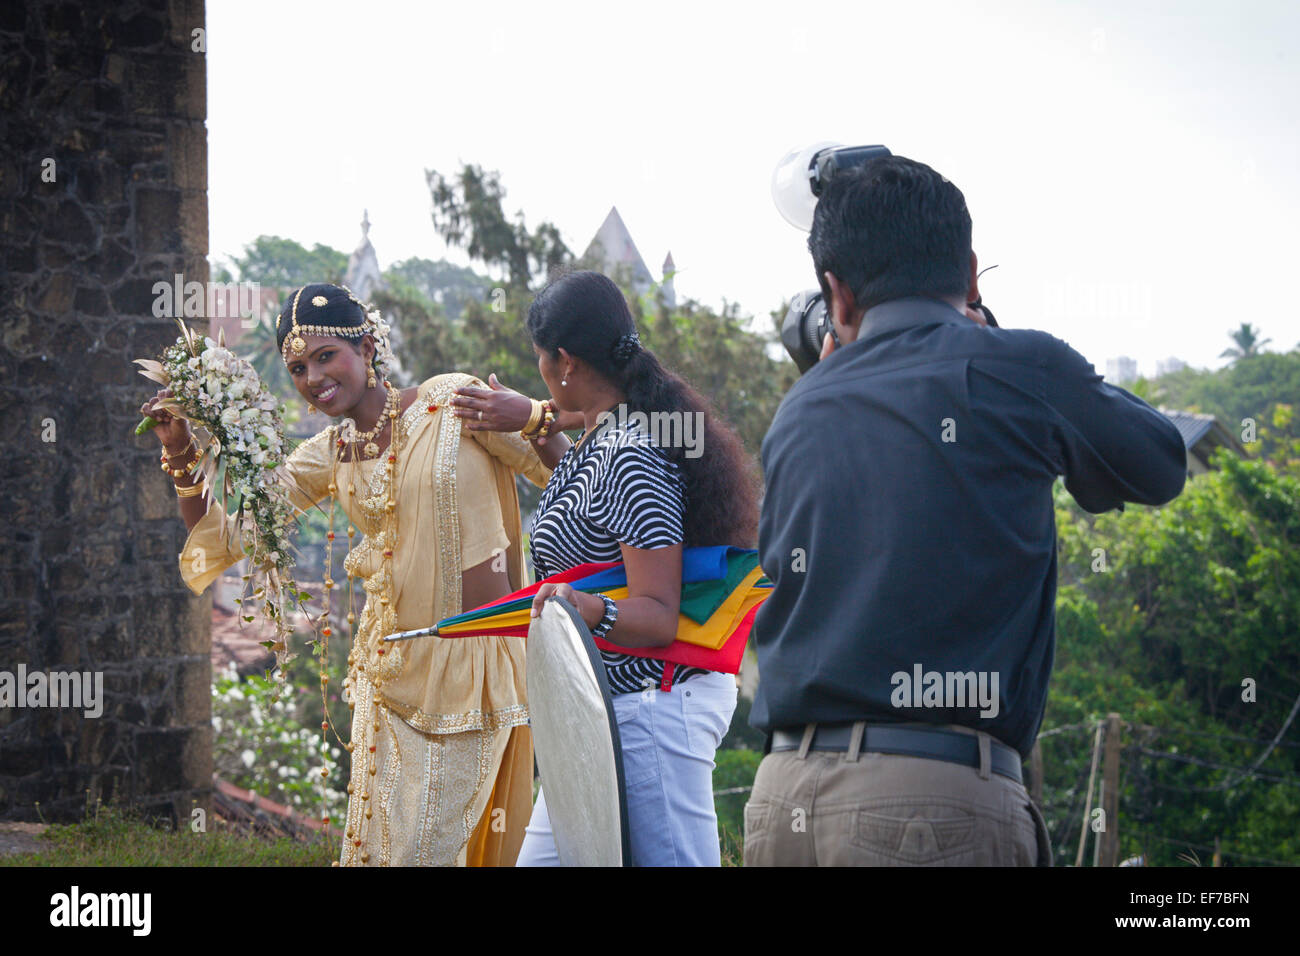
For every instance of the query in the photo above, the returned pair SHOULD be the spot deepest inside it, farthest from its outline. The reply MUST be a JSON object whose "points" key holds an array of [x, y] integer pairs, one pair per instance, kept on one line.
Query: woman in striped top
{"points": [[626, 492]]}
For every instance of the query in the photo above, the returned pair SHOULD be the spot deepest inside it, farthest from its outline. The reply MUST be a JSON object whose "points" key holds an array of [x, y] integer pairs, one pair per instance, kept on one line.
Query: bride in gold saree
{"points": [[441, 752]]}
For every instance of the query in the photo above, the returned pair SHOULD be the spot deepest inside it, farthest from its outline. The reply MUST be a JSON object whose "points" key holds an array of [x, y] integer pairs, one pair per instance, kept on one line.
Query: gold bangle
{"points": [[191, 491], [534, 418]]}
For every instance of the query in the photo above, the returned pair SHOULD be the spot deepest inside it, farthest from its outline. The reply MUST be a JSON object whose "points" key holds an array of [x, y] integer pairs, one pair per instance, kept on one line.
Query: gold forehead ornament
{"points": [[296, 345]]}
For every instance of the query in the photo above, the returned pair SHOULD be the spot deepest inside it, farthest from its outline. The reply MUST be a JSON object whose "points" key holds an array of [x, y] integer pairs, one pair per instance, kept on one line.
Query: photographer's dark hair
{"points": [[889, 229], [340, 311], [585, 314]]}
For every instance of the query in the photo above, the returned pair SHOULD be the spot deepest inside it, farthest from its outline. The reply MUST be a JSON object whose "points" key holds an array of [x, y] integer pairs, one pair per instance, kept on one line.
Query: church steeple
{"points": [[363, 275], [670, 294], [364, 278], [616, 254]]}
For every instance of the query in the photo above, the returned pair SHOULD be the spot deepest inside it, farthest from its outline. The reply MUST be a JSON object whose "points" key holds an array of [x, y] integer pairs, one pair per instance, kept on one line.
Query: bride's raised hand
{"points": [[495, 408], [173, 432]]}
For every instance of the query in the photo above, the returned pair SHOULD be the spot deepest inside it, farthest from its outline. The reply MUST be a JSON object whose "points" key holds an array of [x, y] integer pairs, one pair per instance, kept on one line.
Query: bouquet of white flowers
{"points": [[242, 462]]}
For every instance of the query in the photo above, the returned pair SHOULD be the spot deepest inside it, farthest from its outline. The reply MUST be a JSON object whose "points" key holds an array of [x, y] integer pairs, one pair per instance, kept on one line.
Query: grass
{"points": [[113, 837]]}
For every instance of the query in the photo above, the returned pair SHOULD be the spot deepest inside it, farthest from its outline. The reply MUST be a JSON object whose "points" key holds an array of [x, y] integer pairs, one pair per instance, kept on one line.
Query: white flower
{"points": [[248, 757]]}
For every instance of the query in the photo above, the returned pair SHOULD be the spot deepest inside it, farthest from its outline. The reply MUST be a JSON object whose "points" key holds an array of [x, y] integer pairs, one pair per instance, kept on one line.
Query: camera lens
{"points": [[804, 328]]}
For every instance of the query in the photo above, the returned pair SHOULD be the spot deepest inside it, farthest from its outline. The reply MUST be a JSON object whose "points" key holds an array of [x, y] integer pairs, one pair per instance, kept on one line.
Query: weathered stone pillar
{"points": [[103, 193]]}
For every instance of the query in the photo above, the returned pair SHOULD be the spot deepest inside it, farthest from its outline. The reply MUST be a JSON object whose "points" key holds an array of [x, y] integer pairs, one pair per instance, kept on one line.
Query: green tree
{"points": [[1183, 619], [1247, 342], [273, 261], [719, 354], [440, 283], [467, 213], [1259, 391]]}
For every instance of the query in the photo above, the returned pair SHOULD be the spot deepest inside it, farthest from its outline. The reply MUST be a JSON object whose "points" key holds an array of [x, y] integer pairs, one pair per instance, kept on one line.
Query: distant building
{"points": [[1202, 436], [1122, 370], [613, 252], [364, 278], [670, 294], [1171, 364], [363, 275]]}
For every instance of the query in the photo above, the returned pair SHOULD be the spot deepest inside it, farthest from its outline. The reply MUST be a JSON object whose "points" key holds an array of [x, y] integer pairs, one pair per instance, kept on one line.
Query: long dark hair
{"points": [[585, 314]]}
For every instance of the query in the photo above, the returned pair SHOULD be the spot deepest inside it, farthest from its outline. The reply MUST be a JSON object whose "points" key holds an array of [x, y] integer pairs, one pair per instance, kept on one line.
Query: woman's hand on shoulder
{"points": [[495, 408]]}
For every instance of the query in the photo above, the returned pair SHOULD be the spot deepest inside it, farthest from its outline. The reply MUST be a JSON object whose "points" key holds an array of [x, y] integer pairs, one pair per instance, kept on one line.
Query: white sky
{"points": [[1131, 168]]}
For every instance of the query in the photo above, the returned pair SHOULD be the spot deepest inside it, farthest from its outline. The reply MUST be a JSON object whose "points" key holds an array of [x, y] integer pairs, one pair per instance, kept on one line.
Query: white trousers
{"points": [[669, 740]]}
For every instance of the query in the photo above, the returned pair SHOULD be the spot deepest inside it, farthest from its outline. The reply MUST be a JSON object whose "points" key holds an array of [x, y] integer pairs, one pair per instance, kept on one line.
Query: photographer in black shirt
{"points": [[909, 531]]}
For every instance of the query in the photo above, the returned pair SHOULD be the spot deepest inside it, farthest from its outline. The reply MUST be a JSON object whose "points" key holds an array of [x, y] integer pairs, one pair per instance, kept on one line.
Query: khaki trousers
{"points": [[824, 809]]}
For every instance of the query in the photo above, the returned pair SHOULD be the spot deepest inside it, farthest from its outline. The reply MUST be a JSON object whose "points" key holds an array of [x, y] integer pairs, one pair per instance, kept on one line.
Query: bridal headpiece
{"points": [[326, 301]]}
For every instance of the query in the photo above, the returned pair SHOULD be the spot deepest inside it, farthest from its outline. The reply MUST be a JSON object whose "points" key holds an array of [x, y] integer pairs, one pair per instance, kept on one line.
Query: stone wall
{"points": [[103, 193]]}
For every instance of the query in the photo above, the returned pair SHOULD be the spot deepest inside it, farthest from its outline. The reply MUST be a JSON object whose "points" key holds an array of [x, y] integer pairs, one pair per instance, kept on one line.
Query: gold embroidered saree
{"points": [[453, 756]]}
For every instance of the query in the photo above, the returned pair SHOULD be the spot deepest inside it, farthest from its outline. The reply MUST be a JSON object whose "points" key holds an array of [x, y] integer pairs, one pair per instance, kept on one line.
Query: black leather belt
{"points": [[931, 743]]}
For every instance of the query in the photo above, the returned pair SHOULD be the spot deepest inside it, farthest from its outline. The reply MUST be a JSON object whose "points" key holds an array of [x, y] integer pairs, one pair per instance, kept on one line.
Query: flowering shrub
{"points": [[267, 745]]}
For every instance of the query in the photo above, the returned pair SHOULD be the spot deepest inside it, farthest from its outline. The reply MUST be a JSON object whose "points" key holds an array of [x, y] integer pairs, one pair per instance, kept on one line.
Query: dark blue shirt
{"points": [[908, 524]]}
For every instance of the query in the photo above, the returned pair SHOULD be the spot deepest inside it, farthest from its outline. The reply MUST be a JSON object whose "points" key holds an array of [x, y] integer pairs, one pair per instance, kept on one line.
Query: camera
{"points": [[805, 327], [797, 183]]}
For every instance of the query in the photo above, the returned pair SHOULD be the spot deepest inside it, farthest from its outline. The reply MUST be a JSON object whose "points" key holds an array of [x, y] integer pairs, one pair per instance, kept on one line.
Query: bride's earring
{"points": [[370, 378], [564, 381], [311, 409]]}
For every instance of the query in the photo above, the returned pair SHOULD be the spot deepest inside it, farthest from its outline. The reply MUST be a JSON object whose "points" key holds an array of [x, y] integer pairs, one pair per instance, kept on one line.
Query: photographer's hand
{"points": [[828, 346]]}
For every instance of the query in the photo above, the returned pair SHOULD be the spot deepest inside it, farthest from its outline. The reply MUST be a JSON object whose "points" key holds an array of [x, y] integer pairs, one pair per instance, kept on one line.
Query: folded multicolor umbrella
{"points": [[721, 591]]}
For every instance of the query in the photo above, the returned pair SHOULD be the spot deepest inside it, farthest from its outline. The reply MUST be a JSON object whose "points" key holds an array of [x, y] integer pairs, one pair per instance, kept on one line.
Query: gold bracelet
{"points": [[191, 491], [548, 421], [536, 416], [183, 451], [166, 460]]}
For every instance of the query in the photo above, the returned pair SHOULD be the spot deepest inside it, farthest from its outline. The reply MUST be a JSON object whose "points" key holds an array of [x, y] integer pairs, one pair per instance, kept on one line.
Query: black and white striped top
{"points": [[615, 486]]}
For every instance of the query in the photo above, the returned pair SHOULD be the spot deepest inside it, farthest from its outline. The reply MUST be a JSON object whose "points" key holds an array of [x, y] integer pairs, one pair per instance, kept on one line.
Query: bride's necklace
{"points": [[391, 403]]}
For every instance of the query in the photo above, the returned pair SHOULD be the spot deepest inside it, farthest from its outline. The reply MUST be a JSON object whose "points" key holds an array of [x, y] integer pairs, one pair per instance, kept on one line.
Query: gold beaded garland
{"points": [[359, 656]]}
